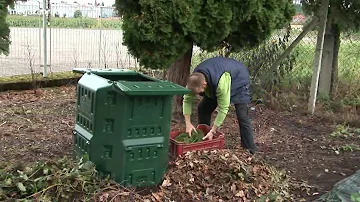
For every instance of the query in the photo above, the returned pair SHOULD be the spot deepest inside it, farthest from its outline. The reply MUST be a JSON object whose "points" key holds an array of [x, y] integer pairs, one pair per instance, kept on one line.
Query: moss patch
{"points": [[39, 77]]}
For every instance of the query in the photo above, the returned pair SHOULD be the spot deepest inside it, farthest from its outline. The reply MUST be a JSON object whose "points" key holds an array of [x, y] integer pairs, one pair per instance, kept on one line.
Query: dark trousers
{"points": [[207, 106]]}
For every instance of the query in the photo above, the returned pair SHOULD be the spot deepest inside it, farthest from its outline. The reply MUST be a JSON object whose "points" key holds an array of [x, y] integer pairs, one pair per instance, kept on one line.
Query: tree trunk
{"points": [[334, 75], [178, 73], [327, 60]]}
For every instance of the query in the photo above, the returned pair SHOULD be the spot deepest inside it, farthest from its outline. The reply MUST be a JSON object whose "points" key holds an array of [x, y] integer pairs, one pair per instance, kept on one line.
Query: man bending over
{"points": [[220, 81]]}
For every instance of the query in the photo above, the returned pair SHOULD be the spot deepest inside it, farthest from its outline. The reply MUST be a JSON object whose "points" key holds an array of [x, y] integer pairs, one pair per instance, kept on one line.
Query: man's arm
{"points": [[187, 106], [223, 93]]}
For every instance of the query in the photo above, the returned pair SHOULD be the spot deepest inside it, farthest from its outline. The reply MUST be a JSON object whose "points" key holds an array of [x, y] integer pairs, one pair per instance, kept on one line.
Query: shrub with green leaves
{"points": [[77, 14], [56, 22]]}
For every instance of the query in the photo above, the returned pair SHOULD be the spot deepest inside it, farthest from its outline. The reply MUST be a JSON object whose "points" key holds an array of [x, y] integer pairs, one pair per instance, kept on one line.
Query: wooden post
{"points": [[318, 55]]}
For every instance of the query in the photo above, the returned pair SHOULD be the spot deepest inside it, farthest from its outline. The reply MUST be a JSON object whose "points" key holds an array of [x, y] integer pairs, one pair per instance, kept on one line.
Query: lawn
{"points": [[313, 152]]}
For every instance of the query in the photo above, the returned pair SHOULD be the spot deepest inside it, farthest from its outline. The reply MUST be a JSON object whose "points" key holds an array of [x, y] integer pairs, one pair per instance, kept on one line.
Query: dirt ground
{"points": [[39, 125]]}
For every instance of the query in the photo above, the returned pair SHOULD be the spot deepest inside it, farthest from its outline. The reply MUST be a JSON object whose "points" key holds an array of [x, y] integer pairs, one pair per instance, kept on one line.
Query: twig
{"points": [[22, 117], [44, 190], [119, 194], [3, 123]]}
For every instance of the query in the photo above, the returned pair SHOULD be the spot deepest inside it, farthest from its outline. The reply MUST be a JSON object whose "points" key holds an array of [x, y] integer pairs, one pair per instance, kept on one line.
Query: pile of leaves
{"points": [[224, 175], [196, 136], [61, 180]]}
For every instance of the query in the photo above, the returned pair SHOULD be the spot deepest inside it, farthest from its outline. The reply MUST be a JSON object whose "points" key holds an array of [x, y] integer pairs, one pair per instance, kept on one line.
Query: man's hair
{"points": [[196, 79]]}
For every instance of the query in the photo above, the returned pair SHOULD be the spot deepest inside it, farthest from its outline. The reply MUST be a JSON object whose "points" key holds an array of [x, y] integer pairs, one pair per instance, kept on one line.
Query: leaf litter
{"points": [[218, 175], [26, 136], [224, 175]]}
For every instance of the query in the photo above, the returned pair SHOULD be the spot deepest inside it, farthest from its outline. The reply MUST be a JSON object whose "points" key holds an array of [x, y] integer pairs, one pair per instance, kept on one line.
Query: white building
{"points": [[62, 8]]}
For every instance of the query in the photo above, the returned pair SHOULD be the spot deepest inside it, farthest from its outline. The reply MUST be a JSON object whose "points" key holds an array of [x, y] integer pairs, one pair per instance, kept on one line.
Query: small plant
{"points": [[350, 148], [77, 14], [118, 55], [30, 58], [75, 58], [105, 53], [355, 197], [341, 131]]}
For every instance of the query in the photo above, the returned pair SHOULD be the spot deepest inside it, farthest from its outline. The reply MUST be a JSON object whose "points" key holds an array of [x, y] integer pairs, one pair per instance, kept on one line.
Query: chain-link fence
{"points": [[76, 36], [299, 65], [92, 37]]}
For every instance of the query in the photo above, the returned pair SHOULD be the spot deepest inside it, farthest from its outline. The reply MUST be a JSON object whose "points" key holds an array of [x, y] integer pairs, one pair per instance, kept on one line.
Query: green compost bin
{"points": [[123, 124]]}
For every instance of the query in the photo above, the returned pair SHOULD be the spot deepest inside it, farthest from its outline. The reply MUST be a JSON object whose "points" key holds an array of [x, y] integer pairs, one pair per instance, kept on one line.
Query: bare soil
{"points": [[38, 125]]}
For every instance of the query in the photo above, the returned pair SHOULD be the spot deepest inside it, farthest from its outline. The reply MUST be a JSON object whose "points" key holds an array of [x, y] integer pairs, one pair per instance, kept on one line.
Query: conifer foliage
{"points": [[159, 32], [345, 14], [4, 28]]}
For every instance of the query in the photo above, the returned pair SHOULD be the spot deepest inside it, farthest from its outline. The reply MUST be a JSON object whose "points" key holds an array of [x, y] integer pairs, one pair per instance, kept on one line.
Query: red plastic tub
{"points": [[178, 148]]}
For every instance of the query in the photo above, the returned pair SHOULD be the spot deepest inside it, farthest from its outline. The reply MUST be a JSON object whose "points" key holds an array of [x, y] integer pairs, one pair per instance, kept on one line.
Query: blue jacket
{"points": [[214, 68]]}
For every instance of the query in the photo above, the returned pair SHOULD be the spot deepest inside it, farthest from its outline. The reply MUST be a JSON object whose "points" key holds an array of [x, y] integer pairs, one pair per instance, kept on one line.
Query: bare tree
{"points": [[75, 57], [30, 59], [118, 54], [89, 64], [105, 52]]}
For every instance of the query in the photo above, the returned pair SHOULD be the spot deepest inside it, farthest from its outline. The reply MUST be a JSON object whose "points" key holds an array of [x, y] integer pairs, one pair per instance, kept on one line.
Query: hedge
{"points": [[84, 23]]}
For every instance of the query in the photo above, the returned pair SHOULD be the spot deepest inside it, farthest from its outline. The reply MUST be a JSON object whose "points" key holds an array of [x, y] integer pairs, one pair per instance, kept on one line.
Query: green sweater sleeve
{"points": [[223, 93], [188, 103]]}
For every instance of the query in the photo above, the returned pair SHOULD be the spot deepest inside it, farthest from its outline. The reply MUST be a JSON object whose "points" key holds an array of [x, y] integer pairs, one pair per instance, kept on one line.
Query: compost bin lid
{"points": [[101, 71], [150, 88]]}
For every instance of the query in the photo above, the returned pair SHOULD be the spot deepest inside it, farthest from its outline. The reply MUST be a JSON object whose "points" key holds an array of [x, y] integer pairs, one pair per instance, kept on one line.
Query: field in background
{"points": [[58, 22]]}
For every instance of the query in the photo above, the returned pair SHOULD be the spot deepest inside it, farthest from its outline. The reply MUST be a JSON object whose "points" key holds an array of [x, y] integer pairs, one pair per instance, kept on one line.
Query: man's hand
{"points": [[209, 135], [190, 128]]}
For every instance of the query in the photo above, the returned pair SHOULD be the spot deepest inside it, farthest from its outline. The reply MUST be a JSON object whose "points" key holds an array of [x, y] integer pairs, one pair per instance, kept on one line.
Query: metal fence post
{"points": [[100, 40], [45, 40]]}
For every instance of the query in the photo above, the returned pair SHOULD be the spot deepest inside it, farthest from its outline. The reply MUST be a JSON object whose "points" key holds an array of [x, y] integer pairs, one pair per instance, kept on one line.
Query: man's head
{"points": [[196, 82]]}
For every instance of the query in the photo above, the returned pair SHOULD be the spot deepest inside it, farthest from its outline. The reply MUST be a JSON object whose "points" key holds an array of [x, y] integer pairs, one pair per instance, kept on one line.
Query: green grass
{"points": [[348, 63], [58, 22], [38, 77], [348, 86]]}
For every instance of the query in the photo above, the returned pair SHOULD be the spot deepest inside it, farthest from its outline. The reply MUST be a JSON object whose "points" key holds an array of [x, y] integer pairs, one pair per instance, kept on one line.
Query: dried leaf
{"points": [[240, 194], [209, 191], [166, 183], [233, 188], [156, 196], [104, 197]]}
